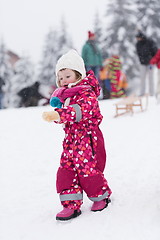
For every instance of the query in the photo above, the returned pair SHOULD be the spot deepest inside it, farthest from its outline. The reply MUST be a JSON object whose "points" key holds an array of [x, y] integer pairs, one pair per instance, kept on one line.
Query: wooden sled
{"points": [[127, 104]]}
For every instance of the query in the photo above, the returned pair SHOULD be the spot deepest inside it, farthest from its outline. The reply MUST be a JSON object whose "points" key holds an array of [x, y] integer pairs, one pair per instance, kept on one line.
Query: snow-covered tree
{"points": [[98, 29], [23, 77], [46, 70], [119, 35], [56, 44], [122, 19], [148, 18], [6, 73], [65, 42]]}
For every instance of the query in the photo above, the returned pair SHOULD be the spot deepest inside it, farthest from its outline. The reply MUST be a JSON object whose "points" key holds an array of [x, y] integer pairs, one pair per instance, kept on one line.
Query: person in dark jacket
{"points": [[30, 95], [146, 49]]}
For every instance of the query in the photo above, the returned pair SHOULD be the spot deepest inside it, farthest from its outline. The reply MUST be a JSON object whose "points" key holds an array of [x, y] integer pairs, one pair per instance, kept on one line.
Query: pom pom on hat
{"points": [[71, 60], [90, 34]]}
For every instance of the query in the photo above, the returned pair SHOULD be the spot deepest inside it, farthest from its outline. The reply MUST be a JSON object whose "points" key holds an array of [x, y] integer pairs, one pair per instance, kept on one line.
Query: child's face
{"points": [[66, 76]]}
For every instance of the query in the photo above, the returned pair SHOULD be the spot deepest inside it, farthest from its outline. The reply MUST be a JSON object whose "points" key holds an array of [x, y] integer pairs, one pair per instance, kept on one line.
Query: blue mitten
{"points": [[55, 102]]}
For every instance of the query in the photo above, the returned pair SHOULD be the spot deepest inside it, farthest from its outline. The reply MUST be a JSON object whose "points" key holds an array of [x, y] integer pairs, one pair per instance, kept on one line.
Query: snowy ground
{"points": [[29, 158]]}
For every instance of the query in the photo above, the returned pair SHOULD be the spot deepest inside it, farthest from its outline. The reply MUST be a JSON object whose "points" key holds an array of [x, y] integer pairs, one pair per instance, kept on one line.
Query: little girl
{"points": [[83, 158]]}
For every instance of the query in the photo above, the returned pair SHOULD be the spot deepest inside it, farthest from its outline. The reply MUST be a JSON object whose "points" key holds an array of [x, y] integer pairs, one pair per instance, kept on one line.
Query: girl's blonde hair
{"points": [[78, 75]]}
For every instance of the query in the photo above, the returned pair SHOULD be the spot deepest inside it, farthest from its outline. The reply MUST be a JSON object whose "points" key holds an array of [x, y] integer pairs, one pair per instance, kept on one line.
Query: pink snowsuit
{"points": [[83, 158]]}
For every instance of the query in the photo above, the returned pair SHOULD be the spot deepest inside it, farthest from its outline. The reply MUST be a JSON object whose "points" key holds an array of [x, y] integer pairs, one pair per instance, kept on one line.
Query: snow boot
{"points": [[67, 214], [100, 205]]}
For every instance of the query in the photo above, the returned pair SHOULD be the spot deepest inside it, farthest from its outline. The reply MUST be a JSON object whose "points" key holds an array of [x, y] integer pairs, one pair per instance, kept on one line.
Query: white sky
{"points": [[25, 23]]}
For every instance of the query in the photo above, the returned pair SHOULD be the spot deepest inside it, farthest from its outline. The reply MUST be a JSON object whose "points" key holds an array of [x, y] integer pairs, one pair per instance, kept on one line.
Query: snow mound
{"points": [[29, 158]]}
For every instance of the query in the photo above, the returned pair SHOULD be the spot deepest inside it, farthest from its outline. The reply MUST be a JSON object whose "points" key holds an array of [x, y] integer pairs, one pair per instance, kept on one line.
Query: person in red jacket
{"points": [[156, 60], [84, 157]]}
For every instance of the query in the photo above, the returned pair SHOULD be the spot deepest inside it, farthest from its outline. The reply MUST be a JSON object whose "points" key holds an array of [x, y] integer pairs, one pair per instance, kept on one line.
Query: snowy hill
{"points": [[29, 158]]}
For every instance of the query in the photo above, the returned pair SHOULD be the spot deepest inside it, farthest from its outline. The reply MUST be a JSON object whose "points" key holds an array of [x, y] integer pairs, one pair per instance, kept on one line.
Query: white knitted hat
{"points": [[71, 60]]}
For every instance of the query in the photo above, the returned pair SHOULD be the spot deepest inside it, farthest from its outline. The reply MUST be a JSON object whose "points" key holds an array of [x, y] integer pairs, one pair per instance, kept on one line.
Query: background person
{"points": [[115, 75], [105, 78], [146, 49], [30, 96], [92, 55], [156, 60]]}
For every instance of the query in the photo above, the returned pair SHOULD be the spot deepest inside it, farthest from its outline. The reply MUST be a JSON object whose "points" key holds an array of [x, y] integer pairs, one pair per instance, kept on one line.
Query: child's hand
{"points": [[51, 116]]}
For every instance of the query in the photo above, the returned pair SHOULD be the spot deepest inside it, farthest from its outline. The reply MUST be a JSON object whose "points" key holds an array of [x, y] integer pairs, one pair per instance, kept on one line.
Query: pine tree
{"points": [[23, 77], [56, 44], [148, 18], [119, 35], [98, 29], [65, 42], [6, 73], [46, 72]]}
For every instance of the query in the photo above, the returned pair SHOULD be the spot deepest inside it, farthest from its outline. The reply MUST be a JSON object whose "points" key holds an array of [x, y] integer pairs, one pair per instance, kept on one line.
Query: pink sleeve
{"points": [[84, 108], [67, 114], [89, 104]]}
